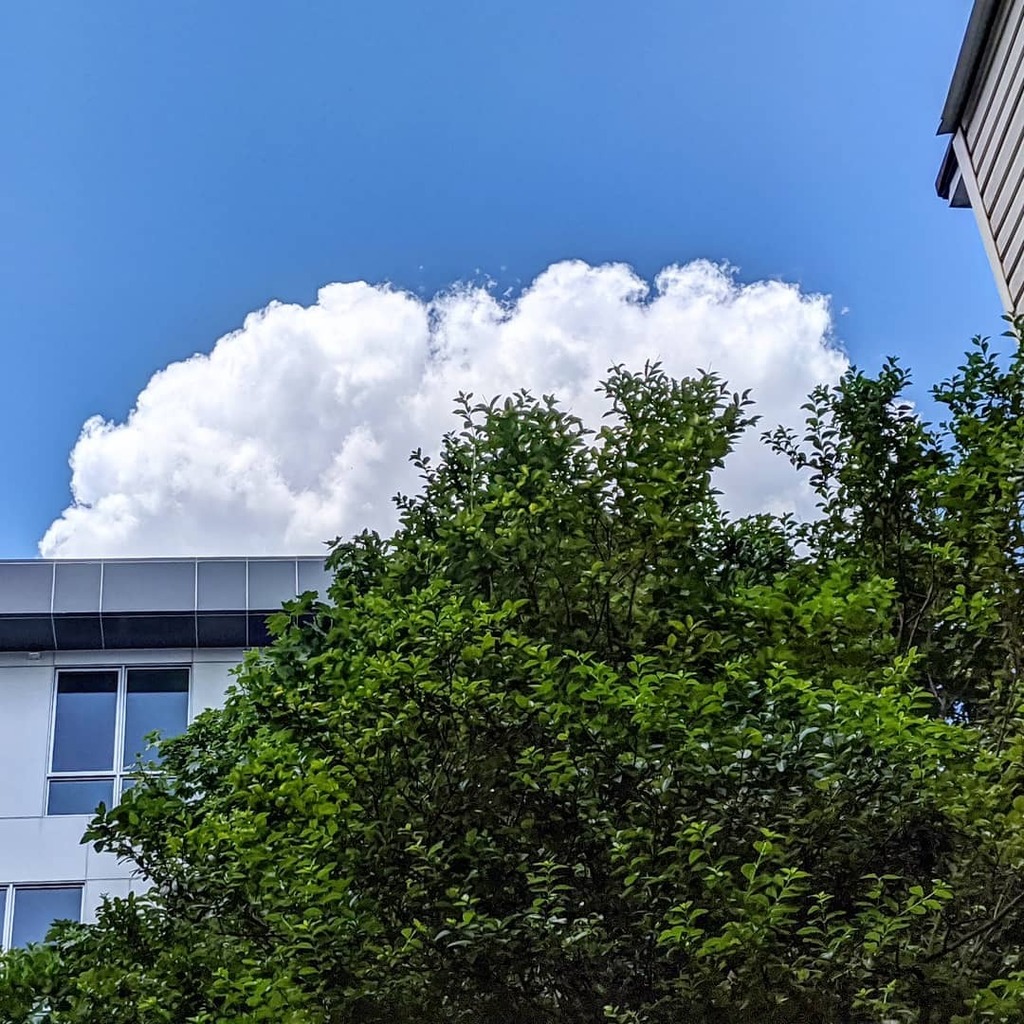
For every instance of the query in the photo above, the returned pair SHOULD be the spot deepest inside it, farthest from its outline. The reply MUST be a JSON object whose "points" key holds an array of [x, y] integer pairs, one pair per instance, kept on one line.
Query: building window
{"points": [[100, 723], [28, 911]]}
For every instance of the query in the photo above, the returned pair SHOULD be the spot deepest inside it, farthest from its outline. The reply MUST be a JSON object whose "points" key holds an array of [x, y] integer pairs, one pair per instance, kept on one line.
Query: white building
{"points": [[95, 655]]}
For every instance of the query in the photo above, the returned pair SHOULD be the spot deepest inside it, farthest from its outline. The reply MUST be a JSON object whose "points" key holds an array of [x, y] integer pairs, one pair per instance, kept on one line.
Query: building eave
{"points": [[947, 172], [979, 27], [148, 603]]}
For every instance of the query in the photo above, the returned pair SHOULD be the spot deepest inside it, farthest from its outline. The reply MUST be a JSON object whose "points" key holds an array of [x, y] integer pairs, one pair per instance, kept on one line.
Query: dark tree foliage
{"points": [[576, 745]]}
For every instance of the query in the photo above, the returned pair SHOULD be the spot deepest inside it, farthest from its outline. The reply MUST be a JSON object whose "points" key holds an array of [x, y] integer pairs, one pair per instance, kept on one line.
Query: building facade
{"points": [[95, 656], [984, 114]]}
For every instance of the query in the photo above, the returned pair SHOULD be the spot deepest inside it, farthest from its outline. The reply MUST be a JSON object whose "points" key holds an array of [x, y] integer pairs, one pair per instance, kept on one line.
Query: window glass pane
{"points": [[36, 909], [79, 796], [83, 738], [3, 916], [157, 701]]}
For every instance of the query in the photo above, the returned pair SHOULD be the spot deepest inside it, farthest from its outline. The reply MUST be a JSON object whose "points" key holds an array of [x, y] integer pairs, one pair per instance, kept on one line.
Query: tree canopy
{"points": [[576, 744]]}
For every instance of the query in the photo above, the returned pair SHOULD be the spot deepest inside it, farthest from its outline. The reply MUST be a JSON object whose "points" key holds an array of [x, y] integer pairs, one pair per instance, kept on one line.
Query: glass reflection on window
{"points": [[79, 796], [83, 737], [156, 701], [35, 910]]}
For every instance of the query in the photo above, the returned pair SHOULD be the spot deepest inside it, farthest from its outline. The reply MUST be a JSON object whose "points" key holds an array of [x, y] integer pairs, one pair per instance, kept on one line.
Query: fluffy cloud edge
{"points": [[296, 427]]}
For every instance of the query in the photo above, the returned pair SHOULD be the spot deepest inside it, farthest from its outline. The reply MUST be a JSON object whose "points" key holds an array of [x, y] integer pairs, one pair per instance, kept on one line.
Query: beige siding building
{"points": [[984, 113]]}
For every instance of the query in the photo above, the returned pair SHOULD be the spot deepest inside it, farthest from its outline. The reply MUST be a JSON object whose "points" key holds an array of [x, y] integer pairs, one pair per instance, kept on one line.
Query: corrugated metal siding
{"points": [[993, 126]]}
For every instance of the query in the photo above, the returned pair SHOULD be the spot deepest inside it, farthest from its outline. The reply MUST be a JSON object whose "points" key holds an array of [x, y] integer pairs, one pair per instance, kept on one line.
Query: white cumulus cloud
{"points": [[297, 427]]}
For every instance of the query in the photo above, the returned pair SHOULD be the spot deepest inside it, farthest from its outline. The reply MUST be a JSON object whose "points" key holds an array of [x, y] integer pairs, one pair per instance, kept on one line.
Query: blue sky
{"points": [[167, 168]]}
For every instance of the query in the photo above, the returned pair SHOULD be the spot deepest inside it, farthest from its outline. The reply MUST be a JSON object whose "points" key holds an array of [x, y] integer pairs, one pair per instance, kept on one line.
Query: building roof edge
{"points": [[983, 16]]}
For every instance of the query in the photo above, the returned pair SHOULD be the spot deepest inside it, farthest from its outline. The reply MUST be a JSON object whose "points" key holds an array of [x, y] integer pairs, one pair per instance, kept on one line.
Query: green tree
{"points": [[574, 745], [935, 508]]}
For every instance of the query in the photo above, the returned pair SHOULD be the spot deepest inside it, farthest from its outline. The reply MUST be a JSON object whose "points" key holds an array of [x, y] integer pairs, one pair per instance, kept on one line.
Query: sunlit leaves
{"points": [[574, 746]]}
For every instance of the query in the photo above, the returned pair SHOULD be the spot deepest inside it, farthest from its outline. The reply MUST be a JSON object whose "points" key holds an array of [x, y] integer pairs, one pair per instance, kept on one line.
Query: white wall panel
{"points": [[25, 700], [210, 680], [43, 849]]}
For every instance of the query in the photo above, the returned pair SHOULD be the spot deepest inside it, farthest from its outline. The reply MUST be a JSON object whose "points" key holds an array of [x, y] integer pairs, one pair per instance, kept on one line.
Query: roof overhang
{"points": [[115, 604], [950, 183], [979, 26]]}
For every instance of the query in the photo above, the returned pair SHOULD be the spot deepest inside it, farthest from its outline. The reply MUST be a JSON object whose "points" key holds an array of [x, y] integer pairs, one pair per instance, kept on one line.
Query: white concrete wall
{"points": [[26, 696], [35, 848]]}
